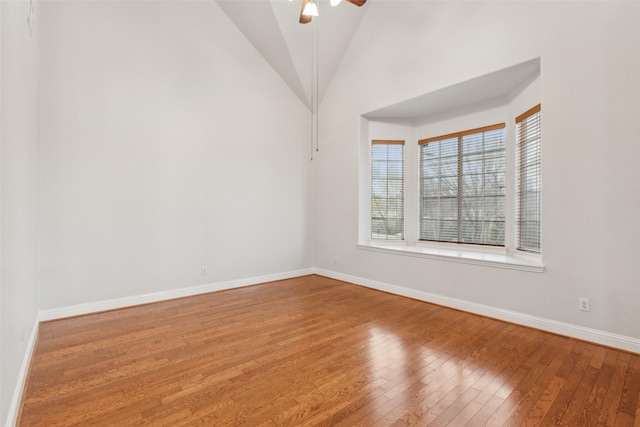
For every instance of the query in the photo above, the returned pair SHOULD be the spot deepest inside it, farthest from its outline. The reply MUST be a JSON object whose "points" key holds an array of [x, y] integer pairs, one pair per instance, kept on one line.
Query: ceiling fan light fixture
{"points": [[335, 2], [311, 9]]}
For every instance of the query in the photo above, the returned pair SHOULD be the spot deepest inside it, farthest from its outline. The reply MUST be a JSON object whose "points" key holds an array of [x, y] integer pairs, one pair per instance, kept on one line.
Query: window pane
{"points": [[387, 191], [463, 188], [528, 183], [483, 160]]}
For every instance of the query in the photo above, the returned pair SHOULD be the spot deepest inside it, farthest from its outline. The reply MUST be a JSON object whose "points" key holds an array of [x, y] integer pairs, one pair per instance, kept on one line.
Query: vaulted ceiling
{"points": [[272, 27]]}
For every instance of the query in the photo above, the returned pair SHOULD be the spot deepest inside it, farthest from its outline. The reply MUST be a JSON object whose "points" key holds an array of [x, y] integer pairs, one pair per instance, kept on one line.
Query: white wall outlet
{"points": [[583, 304], [335, 259], [203, 271]]}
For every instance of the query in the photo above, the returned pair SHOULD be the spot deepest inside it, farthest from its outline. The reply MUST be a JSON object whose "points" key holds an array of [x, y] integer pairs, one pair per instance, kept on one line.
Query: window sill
{"points": [[490, 258]]}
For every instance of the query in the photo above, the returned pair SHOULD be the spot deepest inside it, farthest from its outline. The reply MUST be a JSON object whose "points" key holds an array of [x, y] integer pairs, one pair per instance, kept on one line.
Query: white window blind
{"points": [[528, 183], [462, 187], [387, 190]]}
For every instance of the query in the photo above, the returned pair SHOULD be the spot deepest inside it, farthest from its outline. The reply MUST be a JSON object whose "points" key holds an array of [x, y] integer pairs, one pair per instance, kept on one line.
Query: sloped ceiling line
{"points": [[273, 29]]}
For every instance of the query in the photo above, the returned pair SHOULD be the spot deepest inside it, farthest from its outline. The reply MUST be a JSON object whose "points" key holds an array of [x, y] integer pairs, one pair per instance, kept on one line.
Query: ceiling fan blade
{"points": [[304, 19], [357, 2]]}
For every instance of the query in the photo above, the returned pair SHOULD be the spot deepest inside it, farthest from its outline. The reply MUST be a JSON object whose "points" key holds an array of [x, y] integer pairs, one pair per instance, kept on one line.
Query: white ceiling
{"points": [[272, 27], [480, 91]]}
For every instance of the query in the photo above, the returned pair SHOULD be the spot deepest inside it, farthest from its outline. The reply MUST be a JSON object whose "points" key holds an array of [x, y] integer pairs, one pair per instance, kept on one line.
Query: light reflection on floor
{"points": [[408, 370]]}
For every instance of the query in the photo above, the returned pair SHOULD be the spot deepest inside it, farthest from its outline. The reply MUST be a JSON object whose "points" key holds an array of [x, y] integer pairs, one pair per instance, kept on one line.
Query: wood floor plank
{"points": [[599, 388], [614, 393], [631, 388], [319, 352], [486, 410], [515, 408], [577, 403], [565, 397]]}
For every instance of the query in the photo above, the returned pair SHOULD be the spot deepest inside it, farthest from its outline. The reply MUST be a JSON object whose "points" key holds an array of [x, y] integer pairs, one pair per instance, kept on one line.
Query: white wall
{"points": [[590, 94], [168, 143], [19, 145]]}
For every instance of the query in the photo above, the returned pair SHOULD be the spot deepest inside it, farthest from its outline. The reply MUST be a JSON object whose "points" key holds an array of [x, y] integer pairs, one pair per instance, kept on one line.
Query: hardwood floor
{"points": [[315, 351]]}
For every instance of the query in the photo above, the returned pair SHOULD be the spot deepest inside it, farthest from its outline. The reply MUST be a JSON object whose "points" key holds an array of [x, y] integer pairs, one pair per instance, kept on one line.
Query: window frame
{"points": [[460, 197], [528, 138], [374, 177]]}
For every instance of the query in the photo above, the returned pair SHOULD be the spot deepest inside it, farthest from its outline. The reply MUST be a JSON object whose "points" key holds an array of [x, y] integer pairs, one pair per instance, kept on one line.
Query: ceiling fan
{"points": [[309, 8]]}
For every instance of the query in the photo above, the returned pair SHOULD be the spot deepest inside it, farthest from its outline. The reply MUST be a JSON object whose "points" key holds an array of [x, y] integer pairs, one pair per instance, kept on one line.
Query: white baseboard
{"points": [[112, 304], [567, 329], [12, 416]]}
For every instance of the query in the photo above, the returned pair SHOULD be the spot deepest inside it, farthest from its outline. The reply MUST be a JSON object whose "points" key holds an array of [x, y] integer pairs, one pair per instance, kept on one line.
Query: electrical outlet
{"points": [[583, 304], [203, 271], [335, 259]]}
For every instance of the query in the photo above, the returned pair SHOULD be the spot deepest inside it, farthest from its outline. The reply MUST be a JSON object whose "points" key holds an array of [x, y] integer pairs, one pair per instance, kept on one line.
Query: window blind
{"points": [[528, 182], [387, 190], [462, 187]]}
